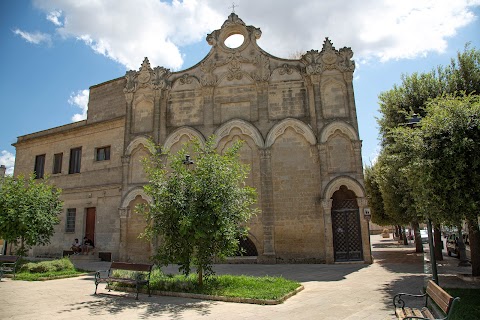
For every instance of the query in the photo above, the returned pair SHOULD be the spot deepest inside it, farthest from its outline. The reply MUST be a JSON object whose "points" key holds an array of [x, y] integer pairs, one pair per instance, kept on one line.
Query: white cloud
{"points": [[80, 99], [126, 31], [53, 17], [8, 160], [35, 37]]}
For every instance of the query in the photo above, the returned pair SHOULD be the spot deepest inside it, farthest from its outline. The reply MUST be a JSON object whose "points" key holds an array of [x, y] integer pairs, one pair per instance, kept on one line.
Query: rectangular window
{"points": [[57, 163], [103, 153], [75, 160], [39, 166], [70, 221]]}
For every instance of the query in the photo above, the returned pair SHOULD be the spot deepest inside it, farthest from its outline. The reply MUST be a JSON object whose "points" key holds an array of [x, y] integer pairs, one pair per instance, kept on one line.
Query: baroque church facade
{"points": [[297, 118]]}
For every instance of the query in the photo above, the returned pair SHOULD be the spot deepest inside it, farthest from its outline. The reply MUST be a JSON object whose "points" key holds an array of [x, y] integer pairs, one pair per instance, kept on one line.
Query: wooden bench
{"points": [[435, 293], [142, 278], [8, 264]]}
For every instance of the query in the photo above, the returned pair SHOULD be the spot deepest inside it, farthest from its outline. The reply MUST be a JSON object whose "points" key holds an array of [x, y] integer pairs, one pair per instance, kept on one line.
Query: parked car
{"points": [[424, 235], [452, 243]]}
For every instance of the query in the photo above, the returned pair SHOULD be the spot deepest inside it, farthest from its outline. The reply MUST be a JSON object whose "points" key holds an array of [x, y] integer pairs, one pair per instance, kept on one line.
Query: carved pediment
{"points": [[327, 59], [233, 25], [147, 77]]}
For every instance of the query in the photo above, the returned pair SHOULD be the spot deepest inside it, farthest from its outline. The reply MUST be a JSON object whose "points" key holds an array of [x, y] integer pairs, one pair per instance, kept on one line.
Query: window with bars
{"points": [[39, 166], [70, 221], [57, 163], [75, 160], [102, 153]]}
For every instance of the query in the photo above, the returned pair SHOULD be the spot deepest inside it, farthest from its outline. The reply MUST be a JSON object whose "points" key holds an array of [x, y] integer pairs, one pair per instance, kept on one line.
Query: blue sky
{"points": [[52, 51]]}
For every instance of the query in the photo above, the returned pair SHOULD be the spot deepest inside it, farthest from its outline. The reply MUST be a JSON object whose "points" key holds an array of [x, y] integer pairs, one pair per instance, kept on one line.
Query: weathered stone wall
{"points": [[297, 118], [106, 101], [97, 185]]}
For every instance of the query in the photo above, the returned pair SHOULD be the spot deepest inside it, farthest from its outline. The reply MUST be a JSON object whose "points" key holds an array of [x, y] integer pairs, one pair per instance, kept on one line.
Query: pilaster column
{"points": [[268, 214], [357, 149], [261, 113], [123, 214], [125, 173], [348, 76], [128, 120], [313, 90], [156, 114], [163, 101], [327, 218], [208, 114], [364, 225]]}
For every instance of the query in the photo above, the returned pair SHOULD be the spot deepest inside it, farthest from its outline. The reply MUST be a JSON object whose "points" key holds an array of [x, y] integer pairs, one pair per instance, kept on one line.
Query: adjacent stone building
{"points": [[297, 118]]}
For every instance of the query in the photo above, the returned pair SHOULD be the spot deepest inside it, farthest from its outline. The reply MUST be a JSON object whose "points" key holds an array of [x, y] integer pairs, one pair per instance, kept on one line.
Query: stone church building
{"points": [[297, 118]]}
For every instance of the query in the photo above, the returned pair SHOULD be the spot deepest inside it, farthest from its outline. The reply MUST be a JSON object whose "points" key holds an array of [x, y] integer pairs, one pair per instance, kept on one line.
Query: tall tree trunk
{"points": [[474, 239], [438, 244], [418, 238], [200, 276], [404, 235], [462, 252], [397, 232]]}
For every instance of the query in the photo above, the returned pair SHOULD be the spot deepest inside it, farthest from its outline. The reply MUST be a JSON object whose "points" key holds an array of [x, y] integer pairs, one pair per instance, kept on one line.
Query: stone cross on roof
{"points": [[233, 7]]}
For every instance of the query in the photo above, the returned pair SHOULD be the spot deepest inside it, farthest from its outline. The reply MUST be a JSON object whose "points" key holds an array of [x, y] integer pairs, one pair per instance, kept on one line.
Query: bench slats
{"points": [[427, 313], [440, 296], [138, 281], [131, 266]]}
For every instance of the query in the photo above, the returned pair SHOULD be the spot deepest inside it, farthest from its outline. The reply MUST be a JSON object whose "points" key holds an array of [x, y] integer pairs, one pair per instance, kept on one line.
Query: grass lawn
{"points": [[263, 288], [469, 305]]}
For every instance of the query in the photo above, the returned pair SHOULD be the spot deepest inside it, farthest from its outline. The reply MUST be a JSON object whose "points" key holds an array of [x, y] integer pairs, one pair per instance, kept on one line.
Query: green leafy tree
{"points": [[199, 211], [29, 210], [449, 164], [397, 106]]}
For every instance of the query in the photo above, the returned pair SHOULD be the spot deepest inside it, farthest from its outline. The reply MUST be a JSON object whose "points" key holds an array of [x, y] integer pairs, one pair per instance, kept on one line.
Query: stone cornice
{"points": [[68, 128]]}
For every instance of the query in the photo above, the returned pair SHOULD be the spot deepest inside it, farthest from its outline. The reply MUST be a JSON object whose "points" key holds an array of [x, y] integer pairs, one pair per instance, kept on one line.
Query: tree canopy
{"points": [[429, 169], [198, 211], [29, 210]]}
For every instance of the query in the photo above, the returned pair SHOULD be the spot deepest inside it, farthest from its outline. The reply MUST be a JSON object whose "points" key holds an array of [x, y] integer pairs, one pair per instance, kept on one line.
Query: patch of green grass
{"points": [[45, 270], [264, 288], [469, 306]]}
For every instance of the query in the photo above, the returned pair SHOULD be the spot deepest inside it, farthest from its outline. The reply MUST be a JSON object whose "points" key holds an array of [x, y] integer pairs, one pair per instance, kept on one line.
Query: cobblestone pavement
{"points": [[340, 291]]}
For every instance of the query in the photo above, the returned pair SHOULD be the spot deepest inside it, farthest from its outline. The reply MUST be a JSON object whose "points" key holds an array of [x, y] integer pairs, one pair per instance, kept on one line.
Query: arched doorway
{"points": [[137, 249], [347, 239], [246, 248]]}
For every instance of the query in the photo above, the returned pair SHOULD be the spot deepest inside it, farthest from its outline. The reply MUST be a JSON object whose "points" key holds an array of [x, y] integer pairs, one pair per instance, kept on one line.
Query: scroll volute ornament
{"points": [[327, 59], [146, 77]]}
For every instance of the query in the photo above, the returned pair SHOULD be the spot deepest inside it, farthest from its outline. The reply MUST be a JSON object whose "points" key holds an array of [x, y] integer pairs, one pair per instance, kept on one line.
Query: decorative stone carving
{"points": [[327, 59], [123, 212], [146, 77], [234, 67], [185, 79], [285, 69], [265, 154], [208, 78], [262, 64]]}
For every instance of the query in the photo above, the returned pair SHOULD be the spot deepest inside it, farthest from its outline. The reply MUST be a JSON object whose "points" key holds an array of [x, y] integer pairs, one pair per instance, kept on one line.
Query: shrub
{"points": [[47, 266]]}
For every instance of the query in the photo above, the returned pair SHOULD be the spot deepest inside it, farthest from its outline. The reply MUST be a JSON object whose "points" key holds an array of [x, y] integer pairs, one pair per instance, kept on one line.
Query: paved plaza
{"points": [[340, 291]]}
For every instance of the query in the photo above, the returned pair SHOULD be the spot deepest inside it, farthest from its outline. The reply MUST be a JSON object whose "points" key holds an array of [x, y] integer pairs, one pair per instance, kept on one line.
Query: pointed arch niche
{"points": [[249, 154], [338, 137], [180, 136]]}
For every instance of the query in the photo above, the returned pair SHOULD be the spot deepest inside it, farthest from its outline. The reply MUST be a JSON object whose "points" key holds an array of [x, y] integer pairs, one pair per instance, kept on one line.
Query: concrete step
{"points": [[82, 257]]}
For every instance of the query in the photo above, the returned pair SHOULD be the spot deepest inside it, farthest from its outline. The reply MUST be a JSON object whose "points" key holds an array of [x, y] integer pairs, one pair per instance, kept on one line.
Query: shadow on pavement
{"points": [[113, 303]]}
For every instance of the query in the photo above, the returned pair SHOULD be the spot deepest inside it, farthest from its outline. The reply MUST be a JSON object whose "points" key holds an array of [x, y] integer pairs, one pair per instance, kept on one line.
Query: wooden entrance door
{"points": [[90, 224]]}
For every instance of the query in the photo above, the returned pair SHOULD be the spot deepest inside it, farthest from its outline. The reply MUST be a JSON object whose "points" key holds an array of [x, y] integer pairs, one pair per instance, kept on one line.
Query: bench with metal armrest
{"points": [[140, 279]]}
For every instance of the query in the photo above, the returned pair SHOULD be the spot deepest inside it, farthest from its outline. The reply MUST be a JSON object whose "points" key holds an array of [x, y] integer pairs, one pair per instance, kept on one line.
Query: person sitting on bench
{"points": [[87, 245], [76, 247]]}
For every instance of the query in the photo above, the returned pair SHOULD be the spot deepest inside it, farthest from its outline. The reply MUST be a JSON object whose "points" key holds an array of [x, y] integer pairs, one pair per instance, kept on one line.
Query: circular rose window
{"points": [[234, 41]]}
